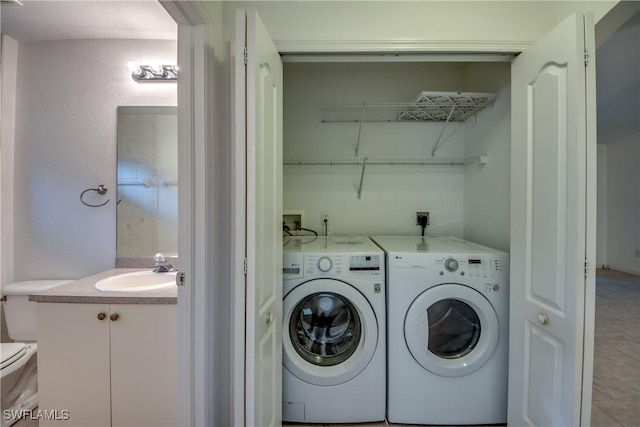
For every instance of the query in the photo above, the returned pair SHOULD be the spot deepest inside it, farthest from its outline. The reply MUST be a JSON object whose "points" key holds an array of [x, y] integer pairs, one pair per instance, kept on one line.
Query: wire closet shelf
{"points": [[435, 107], [387, 161], [427, 107]]}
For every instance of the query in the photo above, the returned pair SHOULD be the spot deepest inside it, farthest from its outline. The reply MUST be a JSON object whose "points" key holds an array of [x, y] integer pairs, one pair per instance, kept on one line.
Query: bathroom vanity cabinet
{"points": [[108, 364]]}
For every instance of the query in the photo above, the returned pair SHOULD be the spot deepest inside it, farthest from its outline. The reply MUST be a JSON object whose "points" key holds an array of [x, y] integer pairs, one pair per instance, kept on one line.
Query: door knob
{"points": [[543, 319], [101, 316], [114, 317]]}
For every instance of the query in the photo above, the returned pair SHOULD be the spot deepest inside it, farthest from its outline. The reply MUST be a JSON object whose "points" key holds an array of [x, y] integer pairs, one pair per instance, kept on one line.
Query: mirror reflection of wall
{"points": [[147, 219]]}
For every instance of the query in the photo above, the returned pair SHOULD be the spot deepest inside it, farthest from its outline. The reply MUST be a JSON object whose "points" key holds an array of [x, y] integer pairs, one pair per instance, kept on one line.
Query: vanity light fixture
{"points": [[153, 73]]}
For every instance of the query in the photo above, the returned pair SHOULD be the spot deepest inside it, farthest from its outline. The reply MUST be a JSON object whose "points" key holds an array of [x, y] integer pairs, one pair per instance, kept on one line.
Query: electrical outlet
{"points": [[419, 214], [324, 216]]}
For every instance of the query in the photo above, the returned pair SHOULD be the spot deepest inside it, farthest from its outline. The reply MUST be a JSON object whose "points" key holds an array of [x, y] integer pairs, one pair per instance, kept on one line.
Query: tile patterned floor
{"points": [[616, 384]]}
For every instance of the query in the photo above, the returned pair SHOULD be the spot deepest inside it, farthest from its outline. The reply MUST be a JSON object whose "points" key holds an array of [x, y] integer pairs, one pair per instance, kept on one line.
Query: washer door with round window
{"points": [[451, 330], [330, 332]]}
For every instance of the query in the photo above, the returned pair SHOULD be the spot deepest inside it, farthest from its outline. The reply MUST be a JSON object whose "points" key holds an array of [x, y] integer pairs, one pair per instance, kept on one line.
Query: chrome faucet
{"points": [[161, 265]]}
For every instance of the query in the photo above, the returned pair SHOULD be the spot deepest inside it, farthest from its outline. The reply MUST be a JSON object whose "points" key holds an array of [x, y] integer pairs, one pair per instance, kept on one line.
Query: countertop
{"points": [[84, 291]]}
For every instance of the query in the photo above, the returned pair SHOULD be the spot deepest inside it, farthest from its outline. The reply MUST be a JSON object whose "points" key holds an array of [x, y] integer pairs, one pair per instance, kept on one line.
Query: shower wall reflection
{"points": [[147, 220]]}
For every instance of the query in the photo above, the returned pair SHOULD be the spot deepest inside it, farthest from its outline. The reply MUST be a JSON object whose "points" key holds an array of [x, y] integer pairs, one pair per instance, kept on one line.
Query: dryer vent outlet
{"points": [[420, 215]]}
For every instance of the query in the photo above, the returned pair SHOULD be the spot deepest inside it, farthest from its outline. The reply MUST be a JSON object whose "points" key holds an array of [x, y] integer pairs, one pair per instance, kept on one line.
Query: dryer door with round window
{"points": [[330, 332], [451, 330]]}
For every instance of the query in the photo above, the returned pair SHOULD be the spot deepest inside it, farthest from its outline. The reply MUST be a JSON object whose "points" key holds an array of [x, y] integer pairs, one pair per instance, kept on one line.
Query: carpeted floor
{"points": [[616, 374]]}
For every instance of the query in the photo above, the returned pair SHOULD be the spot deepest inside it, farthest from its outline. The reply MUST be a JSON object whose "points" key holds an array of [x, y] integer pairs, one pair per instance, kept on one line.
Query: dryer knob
{"points": [[451, 264], [325, 264]]}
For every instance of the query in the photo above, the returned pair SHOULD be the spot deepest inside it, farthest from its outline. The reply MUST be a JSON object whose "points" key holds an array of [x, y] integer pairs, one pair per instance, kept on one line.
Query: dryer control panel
{"points": [[471, 266], [478, 267], [452, 265]]}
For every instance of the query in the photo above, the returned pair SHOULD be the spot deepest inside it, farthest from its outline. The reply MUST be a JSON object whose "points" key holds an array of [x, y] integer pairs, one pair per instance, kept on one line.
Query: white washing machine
{"points": [[334, 328], [447, 336]]}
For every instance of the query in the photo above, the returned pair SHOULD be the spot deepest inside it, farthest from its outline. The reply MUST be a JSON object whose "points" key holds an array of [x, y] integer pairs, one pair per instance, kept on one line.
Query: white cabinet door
{"points": [[258, 139], [144, 365], [105, 370], [73, 363], [552, 148]]}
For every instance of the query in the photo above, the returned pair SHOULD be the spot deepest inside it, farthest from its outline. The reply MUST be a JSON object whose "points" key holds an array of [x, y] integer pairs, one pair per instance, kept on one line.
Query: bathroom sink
{"points": [[137, 281]]}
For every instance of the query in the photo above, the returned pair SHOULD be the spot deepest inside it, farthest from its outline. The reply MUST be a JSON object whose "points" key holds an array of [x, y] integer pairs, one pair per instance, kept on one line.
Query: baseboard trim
{"points": [[624, 270]]}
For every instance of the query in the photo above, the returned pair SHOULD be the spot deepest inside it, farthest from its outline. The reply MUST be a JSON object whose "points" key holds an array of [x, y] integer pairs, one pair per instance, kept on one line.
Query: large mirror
{"points": [[147, 220]]}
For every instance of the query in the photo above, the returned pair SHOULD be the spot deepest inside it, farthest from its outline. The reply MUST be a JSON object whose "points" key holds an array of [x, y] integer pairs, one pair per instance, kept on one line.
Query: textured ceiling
{"points": [[88, 19]]}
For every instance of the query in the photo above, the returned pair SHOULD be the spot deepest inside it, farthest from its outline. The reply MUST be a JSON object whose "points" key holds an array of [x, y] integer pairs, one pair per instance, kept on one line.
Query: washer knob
{"points": [[451, 264], [325, 264]]}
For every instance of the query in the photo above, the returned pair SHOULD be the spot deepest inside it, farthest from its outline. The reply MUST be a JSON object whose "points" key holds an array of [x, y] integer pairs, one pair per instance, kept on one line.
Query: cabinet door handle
{"points": [[114, 317], [101, 316]]}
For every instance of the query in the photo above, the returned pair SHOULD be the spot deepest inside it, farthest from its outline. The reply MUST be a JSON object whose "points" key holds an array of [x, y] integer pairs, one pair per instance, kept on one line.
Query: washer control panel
{"points": [[364, 263], [342, 263]]}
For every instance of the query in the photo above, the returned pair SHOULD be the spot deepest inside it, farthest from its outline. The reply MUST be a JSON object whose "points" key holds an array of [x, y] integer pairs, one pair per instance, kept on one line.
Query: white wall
{"points": [[487, 188], [7, 154], [477, 21], [67, 95], [391, 195], [618, 98], [623, 201]]}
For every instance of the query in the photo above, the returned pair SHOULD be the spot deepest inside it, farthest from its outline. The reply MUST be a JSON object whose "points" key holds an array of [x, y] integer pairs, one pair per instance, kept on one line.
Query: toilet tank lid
{"points": [[31, 286]]}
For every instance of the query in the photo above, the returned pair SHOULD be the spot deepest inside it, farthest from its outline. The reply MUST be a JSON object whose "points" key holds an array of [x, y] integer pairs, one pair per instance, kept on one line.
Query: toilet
{"points": [[18, 377]]}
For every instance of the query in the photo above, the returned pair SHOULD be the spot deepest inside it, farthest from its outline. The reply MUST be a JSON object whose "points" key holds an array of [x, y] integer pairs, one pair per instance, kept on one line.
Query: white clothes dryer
{"points": [[447, 331], [334, 346]]}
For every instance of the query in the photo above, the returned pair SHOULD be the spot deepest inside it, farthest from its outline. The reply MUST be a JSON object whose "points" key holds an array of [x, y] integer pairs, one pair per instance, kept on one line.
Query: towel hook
{"points": [[100, 189]]}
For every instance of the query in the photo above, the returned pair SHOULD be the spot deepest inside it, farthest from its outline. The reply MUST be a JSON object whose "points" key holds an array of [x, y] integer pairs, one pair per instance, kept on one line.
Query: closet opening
{"points": [[369, 141]]}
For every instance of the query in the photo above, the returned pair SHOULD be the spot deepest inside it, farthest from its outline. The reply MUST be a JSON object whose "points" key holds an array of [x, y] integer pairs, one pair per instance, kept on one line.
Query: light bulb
{"points": [[157, 69]]}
